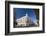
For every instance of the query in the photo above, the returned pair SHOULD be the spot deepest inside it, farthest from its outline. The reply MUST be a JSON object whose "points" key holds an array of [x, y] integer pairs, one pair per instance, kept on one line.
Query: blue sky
{"points": [[20, 12]]}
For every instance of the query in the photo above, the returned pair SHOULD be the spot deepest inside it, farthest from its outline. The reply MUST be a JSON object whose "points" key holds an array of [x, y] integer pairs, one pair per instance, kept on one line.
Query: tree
{"points": [[37, 13]]}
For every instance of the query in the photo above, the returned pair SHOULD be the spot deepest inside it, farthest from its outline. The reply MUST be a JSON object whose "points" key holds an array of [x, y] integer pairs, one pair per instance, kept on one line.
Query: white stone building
{"points": [[24, 21]]}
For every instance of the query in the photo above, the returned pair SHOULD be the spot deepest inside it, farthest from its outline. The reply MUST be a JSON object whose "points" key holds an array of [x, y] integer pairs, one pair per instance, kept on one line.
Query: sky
{"points": [[20, 12]]}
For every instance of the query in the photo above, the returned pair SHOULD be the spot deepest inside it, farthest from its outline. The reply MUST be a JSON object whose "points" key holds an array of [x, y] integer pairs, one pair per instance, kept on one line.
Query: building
{"points": [[24, 21]]}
